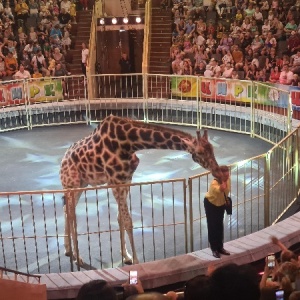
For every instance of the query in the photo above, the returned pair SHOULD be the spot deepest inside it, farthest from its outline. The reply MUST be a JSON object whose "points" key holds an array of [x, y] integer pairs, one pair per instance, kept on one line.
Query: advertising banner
{"points": [[13, 93], [46, 90], [184, 86], [231, 90]]}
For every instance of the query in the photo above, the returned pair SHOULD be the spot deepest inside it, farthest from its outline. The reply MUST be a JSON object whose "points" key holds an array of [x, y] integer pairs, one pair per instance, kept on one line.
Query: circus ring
{"points": [[261, 188]]}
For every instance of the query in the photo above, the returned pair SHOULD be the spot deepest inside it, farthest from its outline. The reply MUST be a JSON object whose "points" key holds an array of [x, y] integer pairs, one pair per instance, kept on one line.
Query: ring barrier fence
{"points": [[263, 187], [21, 285]]}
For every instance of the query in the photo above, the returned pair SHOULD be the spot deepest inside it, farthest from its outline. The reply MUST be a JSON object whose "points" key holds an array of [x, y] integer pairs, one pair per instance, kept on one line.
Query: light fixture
{"points": [[138, 19], [122, 29], [102, 22], [125, 20], [114, 21]]}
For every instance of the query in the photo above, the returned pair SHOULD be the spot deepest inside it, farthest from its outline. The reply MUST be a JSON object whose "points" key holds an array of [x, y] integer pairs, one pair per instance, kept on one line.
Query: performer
{"points": [[214, 205], [125, 66], [84, 58]]}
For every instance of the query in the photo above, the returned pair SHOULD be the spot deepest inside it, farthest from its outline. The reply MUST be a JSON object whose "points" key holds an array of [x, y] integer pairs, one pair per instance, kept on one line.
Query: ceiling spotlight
{"points": [[125, 20], [138, 19], [114, 21], [102, 22]]}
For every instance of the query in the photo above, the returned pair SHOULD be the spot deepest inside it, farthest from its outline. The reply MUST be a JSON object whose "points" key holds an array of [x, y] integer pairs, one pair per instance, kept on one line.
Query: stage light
{"points": [[114, 21], [125, 20], [138, 19], [102, 22]]}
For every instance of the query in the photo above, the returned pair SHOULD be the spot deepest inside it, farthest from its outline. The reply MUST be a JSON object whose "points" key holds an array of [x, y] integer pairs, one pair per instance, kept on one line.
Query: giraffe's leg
{"points": [[127, 258], [71, 199], [67, 233], [125, 223]]}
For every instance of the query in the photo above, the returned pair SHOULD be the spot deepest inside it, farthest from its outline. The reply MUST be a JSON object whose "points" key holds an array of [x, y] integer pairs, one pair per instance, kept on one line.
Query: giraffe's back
{"points": [[82, 164]]}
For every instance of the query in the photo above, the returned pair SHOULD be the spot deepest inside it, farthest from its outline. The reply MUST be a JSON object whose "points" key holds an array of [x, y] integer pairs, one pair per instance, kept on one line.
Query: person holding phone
{"points": [[133, 279], [214, 205], [274, 284], [133, 286]]}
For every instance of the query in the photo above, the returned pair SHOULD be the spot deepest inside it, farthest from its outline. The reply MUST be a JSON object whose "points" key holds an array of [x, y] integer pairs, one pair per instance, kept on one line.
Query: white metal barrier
{"points": [[265, 185], [237, 106]]}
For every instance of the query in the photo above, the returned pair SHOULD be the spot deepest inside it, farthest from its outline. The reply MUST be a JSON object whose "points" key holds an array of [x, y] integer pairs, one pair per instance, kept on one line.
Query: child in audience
{"points": [[210, 28], [46, 49], [51, 66], [55, 8], [265, 28], [73, 12], [33, 9], [22, 37], [33, 35], [55, 21], [36, 73], [66, 40], [7, 11], [210, 43], [239, 16], [2, 67]]}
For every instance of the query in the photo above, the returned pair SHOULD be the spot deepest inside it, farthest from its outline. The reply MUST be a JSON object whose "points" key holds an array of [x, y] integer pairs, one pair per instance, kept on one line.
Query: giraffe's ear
{"points": [[198, 135], [205, 134]]}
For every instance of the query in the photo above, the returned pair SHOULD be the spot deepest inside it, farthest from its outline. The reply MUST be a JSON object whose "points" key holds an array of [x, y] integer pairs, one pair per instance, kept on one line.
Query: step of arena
{"points": [[248, 249]]}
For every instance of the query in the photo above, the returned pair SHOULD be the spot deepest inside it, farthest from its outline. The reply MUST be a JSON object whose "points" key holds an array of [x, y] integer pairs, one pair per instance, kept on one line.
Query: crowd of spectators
{"points": [[278, 281], [251, 39], [35, 37]]}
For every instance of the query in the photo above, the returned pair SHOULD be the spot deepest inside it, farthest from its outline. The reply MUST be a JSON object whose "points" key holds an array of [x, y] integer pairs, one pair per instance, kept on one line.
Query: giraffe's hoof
{"points": [[127, 261], [79, 262]]}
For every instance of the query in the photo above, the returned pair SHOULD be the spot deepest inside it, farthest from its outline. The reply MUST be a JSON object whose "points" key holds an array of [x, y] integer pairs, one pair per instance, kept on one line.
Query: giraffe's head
{"points": [[203, 154]]}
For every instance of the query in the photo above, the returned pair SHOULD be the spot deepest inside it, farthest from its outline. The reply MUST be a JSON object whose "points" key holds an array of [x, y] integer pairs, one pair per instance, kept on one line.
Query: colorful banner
{"points": [[12, 94], [184, 86], [295, 97], [230, 90], [40, 90]]}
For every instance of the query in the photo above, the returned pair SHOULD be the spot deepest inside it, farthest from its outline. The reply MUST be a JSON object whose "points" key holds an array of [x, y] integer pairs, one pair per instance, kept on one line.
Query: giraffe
{"points": [[107, 156]]}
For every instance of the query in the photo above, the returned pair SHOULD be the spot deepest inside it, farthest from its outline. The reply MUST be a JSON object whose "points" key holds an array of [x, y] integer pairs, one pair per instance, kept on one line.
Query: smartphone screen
{"points": [[279, 295], [271, 261], [133, 277]]}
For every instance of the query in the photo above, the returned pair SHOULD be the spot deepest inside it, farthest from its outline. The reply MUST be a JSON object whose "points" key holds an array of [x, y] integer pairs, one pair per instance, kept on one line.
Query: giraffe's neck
{"points": [[131, 136]]}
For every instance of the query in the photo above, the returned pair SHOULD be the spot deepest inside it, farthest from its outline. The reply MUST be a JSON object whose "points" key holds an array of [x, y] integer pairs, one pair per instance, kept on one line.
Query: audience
{"points": [[249, 37], [284, 275], [202, 30], [226, 282], [32, 33], [95, 290]]}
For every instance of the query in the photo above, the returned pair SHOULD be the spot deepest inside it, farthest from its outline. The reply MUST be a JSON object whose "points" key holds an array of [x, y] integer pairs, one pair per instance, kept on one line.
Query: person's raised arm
{"points": [[275, 241], [1, 54]]}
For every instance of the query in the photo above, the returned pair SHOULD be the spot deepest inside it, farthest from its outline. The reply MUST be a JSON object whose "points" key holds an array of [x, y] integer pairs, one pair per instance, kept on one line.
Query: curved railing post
{"points": [[26, 88], [199, 101], [191, 216], [290, 114], [267, 191], [252, 108]]}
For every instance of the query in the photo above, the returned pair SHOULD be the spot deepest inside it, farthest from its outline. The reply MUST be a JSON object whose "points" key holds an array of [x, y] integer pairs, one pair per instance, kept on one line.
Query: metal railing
{"points": [[263, 187], [237, 106], [32, 226]]}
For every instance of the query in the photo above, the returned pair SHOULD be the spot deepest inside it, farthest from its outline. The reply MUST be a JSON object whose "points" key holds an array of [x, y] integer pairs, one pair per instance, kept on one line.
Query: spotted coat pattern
{"points": [[107, 156]]}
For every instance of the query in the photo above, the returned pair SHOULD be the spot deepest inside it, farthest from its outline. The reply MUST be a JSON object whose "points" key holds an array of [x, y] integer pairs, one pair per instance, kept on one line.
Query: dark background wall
{"points": [[110, 45]]}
